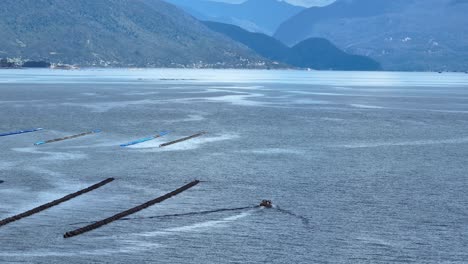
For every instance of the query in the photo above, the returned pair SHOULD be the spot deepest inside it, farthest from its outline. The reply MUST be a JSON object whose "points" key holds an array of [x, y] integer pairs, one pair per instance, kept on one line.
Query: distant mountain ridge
{"points": [[341, 9], [254, 15], [408, 35], [119, 33], [313, 53]]}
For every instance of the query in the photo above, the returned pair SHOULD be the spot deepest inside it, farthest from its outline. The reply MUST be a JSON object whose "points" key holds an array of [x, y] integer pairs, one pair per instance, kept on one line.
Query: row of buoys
{"points": [[102, 222], [68, 137], [135, 142], [131, 211], [121, 215], [54, 203], [98, 185], [118, 216], [182, 139]]}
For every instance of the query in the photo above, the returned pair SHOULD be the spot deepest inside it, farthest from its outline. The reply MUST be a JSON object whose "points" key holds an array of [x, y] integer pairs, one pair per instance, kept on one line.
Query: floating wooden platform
{"points": [[20, 132], [182, 139], [128, 212], [54, 203], [68, 137]]}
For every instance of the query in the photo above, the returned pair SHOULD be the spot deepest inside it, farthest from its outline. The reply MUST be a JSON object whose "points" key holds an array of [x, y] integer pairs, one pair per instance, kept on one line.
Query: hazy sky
{"points": [[306, 3]]}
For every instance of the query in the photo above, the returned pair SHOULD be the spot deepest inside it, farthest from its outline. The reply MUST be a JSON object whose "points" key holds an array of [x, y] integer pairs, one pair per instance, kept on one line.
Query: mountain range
{"points": [[403, 35], [316, 53], [119, 33], [254, 15], [408, 35]]}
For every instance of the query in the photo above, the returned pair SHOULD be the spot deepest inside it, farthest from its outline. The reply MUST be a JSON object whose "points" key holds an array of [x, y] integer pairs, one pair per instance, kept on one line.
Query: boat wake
{"points": [[180, 215], [304, 219], [244, 212], [191, 213], [406, 143], [198, 227]]}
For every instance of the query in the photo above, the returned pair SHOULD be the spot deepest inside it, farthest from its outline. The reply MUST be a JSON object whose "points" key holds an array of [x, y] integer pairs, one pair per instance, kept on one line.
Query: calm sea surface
{"points": [[362, 167]]}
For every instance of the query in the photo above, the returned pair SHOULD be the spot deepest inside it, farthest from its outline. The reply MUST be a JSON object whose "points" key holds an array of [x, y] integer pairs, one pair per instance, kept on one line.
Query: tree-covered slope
{"points": [[114, 33]]}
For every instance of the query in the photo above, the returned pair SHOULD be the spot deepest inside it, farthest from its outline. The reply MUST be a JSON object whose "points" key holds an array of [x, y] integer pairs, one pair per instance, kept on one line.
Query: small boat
{"points": [[266, 204]]}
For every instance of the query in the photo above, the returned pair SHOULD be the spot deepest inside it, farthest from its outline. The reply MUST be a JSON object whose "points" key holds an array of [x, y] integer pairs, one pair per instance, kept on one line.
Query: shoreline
{"points": [[220, 69]]}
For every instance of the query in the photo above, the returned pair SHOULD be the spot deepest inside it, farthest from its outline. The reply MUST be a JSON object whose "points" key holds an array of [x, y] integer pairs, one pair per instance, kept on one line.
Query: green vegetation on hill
{"points": [[119, 33]]}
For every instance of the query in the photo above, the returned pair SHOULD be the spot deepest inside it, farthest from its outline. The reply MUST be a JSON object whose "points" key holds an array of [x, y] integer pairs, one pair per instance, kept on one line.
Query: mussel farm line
{"points": [[128, 212], [65, 138], [54, 203], [182, 139]]}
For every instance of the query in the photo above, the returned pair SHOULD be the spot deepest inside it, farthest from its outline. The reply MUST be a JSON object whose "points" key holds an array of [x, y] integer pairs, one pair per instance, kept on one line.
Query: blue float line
{"points": [[138, 141], [20, 132]]}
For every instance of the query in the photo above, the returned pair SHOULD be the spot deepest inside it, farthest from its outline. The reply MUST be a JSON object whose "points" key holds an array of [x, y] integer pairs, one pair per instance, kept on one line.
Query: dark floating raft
{"points": [[182, 139], [65, 138], [20, 132], [54, 203], [1, 181], [128, 212]]}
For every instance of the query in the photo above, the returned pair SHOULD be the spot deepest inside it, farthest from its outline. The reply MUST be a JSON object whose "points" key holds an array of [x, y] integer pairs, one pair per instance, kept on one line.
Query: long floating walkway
{"points": [[128, 212], [65, 138], [182, 139], [20, 132], [54, 203], [138, 141]]}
